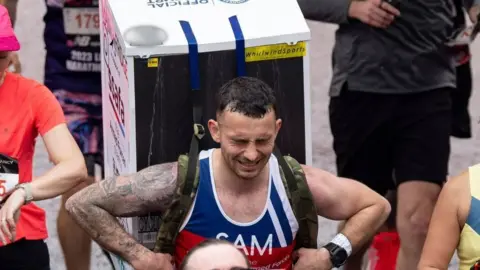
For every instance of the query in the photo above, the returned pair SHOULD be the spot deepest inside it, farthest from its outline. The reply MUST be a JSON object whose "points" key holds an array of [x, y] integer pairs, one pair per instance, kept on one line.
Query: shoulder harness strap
{"points": [[187, 184], [301, 200]]}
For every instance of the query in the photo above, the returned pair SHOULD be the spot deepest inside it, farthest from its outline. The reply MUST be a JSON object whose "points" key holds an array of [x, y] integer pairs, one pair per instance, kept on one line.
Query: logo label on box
{"points": [[275, 51]]}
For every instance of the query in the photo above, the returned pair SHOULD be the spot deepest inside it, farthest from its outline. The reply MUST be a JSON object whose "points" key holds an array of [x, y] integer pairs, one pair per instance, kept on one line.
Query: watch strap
{"points": [[338, 255], [28, 192], [342, 241]]}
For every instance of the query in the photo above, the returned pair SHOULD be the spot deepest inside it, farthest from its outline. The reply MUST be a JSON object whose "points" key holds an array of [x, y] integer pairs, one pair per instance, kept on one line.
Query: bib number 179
{"points": [[81, 21]]}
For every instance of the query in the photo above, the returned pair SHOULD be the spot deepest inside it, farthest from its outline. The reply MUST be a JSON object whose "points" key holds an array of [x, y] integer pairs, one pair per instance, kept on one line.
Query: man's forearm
{"points": [[330, 11], [361, 227], [105, 229], [96, 207]]}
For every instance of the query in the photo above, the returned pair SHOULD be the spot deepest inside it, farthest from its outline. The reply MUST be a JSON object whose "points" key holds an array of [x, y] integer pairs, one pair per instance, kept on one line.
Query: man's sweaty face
{"points": [[247, 142]]}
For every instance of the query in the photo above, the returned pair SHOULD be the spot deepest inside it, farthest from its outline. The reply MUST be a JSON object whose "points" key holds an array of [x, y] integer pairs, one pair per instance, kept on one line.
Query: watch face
{"points": [[339, 257]]}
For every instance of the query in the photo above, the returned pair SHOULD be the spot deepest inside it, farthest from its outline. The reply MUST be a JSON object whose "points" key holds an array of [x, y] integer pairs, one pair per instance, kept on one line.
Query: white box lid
{"points": [[262, 22]]}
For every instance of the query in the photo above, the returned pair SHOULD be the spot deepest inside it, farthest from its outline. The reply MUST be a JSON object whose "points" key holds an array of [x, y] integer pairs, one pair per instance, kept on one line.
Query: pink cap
{"points": [[8, 40]]}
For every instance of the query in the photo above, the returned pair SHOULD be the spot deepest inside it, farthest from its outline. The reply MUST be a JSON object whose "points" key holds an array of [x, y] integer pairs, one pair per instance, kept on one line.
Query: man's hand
{"points": [[9, 214], [376, 13], [473, 13], [154, 261], [318, 259]]}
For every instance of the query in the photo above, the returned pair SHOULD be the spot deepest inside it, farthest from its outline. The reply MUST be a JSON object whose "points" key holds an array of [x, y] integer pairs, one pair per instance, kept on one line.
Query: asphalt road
{"points": [[29, 30]]}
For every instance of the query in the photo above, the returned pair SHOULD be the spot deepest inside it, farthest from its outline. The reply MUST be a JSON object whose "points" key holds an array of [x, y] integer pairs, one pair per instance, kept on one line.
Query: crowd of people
{"points": [[399, 91]]}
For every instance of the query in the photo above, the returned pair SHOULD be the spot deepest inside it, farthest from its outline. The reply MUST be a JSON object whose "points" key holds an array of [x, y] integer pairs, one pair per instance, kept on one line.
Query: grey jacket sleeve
{"points": [[330, 11]]}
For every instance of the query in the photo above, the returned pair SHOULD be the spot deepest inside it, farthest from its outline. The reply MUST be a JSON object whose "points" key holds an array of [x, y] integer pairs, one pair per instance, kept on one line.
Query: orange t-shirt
{"points": [[27, 108]]}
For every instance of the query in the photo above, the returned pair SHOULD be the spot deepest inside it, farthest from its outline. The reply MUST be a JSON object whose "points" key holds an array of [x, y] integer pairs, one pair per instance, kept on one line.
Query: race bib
{"points": [[81, 21], [9, 177]]}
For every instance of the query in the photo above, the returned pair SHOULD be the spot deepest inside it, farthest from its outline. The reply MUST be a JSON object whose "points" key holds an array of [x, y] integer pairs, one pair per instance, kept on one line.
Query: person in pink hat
{"points": [[9, 42], [72, 72], [29, 109]]}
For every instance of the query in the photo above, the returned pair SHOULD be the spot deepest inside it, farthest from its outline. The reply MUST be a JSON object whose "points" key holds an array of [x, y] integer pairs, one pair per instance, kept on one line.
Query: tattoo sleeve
{"points": [[96, 207]]}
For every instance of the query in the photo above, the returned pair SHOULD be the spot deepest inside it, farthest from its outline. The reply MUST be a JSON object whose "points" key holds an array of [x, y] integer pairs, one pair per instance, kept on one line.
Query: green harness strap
{"points": [[301, 200], [187, 184]]}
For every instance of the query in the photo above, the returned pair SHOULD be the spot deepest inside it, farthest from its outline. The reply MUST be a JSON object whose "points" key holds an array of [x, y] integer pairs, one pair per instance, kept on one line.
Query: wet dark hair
{"points": [[246, 95], [207, 243]]}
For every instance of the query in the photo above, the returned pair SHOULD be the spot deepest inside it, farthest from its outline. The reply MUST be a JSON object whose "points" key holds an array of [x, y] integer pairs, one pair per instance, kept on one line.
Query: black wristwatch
{"points": [[338, 255]]}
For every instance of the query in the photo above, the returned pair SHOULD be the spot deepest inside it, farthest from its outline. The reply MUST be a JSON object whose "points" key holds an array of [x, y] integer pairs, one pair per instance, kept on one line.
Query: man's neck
{"points": [[226, 178]]}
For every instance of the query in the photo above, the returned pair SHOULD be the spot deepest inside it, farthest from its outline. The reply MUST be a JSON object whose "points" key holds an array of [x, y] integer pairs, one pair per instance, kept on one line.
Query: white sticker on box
{"points": [[81, 21]]}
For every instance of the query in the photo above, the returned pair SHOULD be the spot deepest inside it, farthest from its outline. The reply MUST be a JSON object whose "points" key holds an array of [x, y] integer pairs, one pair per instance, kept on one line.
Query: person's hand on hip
{"points": [[154, 261], [9, 215], [312, 259]]}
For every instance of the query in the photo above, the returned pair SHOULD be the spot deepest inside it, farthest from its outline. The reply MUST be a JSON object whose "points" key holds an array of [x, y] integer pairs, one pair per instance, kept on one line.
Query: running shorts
{"points": [[383, 140]]}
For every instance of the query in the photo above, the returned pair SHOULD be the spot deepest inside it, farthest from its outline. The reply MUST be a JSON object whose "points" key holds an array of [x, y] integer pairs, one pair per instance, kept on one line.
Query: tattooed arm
{"points": [[96, 207]]}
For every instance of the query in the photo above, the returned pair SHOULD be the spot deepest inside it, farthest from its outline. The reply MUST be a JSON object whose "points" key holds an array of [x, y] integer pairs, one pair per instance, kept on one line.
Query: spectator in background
{"points": [[72, 73], [215, 254], [385, 245], [29, 109], [390, 107], [455, 224]]}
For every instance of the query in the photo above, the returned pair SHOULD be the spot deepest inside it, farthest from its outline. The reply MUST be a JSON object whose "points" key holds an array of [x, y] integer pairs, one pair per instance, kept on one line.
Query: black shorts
{"points": [[384, 140], [461, 121], [25, 255]]}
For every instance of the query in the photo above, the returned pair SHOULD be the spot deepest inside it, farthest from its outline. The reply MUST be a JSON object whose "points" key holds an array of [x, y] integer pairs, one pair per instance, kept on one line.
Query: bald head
{"points": [[215, 254]]}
